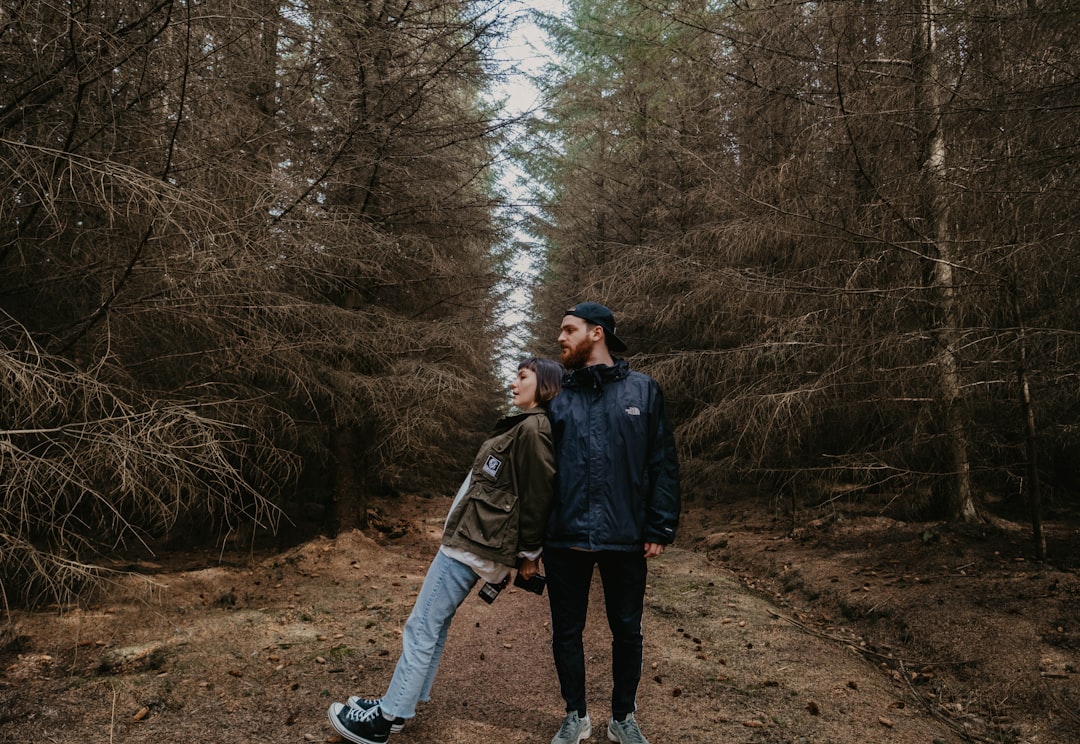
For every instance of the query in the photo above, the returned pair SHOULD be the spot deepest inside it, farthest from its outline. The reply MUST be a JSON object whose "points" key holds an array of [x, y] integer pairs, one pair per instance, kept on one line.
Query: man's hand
{"points": [[653, 549], [527, 568]]}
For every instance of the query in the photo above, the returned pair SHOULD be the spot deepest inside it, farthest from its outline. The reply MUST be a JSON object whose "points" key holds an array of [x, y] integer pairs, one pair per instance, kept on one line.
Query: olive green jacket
{"points": [[506, 507]]}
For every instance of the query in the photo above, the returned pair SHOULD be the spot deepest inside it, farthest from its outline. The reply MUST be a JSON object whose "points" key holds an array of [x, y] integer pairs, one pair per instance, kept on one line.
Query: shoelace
{"points": [[570, 725], [360, 715], [632, 733]]}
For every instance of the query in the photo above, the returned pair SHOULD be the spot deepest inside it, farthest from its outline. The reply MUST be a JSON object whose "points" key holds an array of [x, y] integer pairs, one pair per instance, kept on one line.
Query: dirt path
{"points": [[720, 665], [257, 652]]}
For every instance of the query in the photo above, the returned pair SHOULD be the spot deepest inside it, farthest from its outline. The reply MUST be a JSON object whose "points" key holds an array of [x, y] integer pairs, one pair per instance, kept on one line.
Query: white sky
{"points": [[523, 52], [525, 49]]}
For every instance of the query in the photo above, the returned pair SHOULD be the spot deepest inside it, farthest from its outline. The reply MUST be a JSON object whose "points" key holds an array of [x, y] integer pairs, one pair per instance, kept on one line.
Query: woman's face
{"points": [[523, 389]]}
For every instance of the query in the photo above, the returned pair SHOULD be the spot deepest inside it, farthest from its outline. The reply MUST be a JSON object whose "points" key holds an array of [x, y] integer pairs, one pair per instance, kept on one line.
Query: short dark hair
{"points": [[549, 374]]}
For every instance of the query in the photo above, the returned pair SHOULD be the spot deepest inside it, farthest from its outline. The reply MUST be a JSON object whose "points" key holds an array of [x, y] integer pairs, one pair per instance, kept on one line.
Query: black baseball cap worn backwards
{"points": [[596, 313]]}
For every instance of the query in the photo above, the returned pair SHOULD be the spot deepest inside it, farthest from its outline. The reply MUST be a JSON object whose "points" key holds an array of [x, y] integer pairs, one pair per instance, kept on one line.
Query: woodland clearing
{"points": [[843, 625]]}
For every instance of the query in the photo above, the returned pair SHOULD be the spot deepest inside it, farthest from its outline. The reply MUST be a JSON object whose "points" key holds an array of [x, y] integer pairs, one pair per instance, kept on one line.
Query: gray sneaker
{"points": [[573, 729], [625, 731]]}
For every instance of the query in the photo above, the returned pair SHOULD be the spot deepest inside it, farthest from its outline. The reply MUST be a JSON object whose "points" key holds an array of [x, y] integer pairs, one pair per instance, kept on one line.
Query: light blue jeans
{"points": [[446, 586]]}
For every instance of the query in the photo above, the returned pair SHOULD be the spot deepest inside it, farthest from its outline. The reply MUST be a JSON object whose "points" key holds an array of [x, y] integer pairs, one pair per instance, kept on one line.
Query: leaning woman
{"points": [[496, 522]]}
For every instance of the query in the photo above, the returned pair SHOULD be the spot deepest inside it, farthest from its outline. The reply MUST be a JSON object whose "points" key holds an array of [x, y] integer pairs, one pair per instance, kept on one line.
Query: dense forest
{"points": [[254, 254], [247, 266], [840, 234]]}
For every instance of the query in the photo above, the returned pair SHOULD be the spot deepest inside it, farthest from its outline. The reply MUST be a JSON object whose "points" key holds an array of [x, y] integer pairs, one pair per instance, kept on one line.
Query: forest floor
{"points": [[843, 625]]}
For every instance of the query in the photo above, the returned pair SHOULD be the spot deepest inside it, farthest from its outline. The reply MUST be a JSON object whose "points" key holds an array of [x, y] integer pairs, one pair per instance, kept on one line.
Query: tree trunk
{"points": [[350, 495], [1027, 411], [938, 251]]}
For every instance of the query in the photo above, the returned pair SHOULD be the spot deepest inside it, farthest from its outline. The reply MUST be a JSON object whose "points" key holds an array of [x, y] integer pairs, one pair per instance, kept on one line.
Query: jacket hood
{"points": [[596, 376]]}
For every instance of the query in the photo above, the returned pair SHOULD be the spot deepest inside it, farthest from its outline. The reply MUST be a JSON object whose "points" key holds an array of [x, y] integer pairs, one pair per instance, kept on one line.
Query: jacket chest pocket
{"points": [[494, 467], [488, 518]]}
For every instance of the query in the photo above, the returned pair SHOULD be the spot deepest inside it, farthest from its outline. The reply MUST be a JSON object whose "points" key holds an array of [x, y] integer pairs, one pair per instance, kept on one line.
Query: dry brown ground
{"points": [[852, 628]]}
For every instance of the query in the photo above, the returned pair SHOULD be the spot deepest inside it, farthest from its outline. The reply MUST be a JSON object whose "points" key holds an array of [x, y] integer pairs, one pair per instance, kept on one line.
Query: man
{"points": [[616, 505]]}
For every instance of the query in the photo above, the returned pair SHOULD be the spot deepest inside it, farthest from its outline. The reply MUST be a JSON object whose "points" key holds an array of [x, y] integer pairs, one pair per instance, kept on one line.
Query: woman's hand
{"points": [[528, 568]]}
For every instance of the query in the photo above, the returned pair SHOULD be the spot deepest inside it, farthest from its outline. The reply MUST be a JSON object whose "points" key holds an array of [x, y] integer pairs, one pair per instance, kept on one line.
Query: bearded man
{"points": [[616, 505]]}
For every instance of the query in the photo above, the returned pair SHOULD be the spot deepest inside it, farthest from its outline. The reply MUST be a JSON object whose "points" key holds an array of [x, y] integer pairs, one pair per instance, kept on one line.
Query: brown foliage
{"points": [[264, 226]]}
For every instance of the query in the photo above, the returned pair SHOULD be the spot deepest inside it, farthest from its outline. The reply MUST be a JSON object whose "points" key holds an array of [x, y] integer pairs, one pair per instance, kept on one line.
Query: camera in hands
{"points": [[534, 585]]}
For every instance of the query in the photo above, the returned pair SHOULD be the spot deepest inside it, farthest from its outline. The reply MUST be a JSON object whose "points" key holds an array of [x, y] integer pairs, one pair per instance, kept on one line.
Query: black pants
{"points": [[569, 575]]}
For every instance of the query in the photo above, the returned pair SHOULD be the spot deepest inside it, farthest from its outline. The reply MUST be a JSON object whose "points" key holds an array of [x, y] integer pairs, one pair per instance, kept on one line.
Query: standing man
{"points": [[616, 505]]}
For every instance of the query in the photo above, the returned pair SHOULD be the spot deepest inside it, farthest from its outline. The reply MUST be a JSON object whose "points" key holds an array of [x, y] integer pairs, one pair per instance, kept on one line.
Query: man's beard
{"points": [[575, 357]]}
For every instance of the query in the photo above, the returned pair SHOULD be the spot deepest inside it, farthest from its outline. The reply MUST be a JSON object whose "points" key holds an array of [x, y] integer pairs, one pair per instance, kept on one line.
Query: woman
{"points": [[497, 521]]}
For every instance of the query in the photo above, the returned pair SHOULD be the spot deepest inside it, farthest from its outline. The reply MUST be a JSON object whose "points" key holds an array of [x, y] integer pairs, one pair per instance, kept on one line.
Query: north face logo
{"points": [[633, 411], [493, 466]]}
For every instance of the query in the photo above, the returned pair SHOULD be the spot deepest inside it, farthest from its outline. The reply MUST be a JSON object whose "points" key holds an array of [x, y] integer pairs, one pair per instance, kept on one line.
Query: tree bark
{"points": [[942, 269], [350, 494], [1027, 411]]}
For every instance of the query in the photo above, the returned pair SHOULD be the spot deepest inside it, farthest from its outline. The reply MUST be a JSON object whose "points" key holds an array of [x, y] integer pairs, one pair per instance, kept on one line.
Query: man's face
{"points": [[576, 341]]}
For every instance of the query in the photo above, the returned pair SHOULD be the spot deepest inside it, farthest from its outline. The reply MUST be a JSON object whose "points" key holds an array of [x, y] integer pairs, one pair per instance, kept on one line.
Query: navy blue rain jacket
{"points": [[617, 484]]}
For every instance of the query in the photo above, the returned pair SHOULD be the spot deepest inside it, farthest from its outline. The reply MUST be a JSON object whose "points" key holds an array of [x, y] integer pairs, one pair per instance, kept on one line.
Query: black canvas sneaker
{"points": [[359, 725], [364, 703]]}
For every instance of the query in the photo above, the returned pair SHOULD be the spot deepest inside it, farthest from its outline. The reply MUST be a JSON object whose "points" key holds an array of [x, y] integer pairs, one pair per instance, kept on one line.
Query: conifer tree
{"points": [[812, 237], [262, 232]]}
